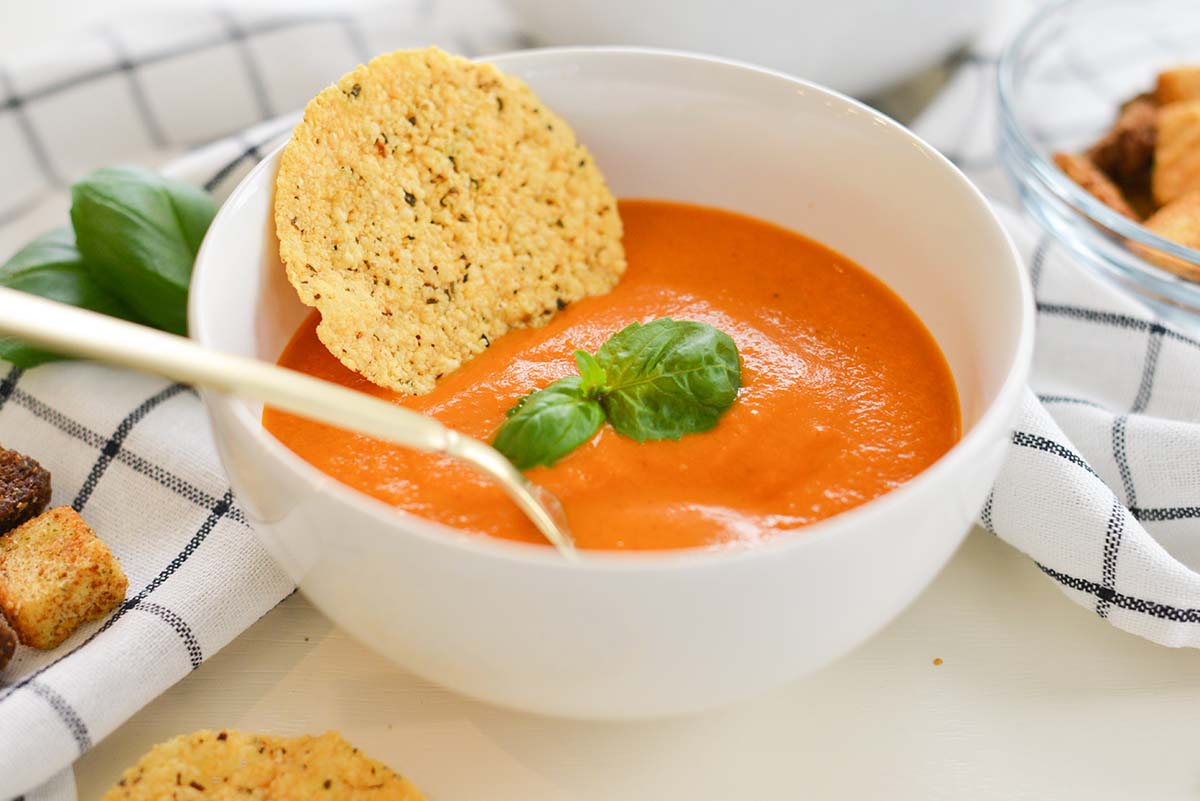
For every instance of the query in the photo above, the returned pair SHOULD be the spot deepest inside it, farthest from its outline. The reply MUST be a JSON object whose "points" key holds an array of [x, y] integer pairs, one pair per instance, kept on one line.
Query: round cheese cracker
{"points": [[235, 765], [427, 204]]}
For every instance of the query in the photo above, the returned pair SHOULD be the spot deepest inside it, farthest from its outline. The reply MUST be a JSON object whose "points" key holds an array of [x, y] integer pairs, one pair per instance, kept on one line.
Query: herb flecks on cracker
{"points": [[428, 204], [232, 764]]}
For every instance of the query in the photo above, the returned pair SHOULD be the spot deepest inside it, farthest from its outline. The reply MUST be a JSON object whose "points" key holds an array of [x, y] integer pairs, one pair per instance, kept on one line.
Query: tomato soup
{"points": [[845, 396]]}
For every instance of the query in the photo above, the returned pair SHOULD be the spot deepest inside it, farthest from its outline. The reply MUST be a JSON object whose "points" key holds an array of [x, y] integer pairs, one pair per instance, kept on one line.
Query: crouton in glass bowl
{"points": [[1099, 115]]}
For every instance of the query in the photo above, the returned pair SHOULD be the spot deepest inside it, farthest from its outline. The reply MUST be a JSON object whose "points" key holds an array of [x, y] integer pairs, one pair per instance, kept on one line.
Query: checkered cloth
{"points": [[1102, 487]]}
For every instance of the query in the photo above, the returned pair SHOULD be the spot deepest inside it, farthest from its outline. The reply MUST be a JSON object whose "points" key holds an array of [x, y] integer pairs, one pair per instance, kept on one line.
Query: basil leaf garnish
{"points": [[549, 424], [655, 381], [591, 372], [51, 267], [668, 378], [138, 233]]}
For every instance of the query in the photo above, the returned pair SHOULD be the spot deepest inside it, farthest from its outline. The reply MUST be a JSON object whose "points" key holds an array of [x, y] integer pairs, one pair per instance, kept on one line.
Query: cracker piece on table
{"points": [[234, 765]]}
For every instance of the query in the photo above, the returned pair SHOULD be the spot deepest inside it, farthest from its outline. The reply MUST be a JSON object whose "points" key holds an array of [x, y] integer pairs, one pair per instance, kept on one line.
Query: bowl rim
{"points": [[1007, 66], [996, 417]]}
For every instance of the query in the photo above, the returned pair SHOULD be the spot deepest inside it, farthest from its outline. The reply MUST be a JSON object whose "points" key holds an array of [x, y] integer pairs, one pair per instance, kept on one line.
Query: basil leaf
{"points": [[591, 372], [668, 378], [139, 233], [548, 424], [51, 267]]}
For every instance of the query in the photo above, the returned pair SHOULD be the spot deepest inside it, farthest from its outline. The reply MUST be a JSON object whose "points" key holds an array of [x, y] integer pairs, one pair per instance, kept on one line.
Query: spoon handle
{"points": [[66, 329]]}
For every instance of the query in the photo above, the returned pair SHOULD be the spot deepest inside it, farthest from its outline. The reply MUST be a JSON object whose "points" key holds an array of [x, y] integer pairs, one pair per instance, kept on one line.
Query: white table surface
{"points": [[1036, 699]]}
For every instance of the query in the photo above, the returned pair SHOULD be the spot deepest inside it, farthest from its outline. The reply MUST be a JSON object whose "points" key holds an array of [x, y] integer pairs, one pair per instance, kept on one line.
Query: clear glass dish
{"points": [[1061, 81]]}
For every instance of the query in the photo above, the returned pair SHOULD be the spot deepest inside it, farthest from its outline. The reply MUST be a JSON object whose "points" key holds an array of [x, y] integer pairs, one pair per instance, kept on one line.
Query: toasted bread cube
{"points": [[1181, 83], [1178, 221], [1083, 172], [24, 489], [230, 764], [1177, 151], [56, 574], [1126, 152]]}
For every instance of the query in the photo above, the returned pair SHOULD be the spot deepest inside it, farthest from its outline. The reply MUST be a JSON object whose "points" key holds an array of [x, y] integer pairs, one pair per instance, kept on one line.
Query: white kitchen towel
{"points": [[133, 453], [1102, 487]]}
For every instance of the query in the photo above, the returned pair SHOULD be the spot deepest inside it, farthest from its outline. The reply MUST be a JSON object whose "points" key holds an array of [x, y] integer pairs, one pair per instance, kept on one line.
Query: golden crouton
{"points": [[1177, 152], [1178, 221], [1181, 83], [231, 765], [55, 574], [1083, 172]]}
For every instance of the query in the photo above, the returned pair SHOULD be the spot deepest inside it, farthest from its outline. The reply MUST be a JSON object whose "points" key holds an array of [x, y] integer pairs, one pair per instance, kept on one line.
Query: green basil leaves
{"points": [[668, 378], [655, 381], [130, 254], [138, 233], [548, 424], [50, 266]]}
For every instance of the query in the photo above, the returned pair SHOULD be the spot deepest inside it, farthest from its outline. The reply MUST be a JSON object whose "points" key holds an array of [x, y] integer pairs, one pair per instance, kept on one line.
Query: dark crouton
{"points": [[24, 489], [1126, 152]]}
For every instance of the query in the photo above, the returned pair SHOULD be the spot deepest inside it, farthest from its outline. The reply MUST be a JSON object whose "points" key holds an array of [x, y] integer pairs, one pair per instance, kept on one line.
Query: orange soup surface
{"points": [[845, 395]]}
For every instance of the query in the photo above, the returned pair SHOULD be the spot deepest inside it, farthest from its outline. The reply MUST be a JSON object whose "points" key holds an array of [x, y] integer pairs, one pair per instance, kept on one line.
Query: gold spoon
{"points": [[66, 329]]}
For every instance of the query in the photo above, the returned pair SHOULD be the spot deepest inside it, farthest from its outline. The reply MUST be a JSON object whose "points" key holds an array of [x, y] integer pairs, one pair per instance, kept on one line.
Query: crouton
{"points": [[1126, 152], [1178, 221], [231, 764], [1177, 151], [8, 643], [1083, 172], [24, 489], [56, 574], [1181, 83]]}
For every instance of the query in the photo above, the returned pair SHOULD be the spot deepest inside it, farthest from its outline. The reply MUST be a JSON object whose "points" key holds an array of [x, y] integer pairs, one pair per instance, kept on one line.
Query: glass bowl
{"points": [[1061, 81]]}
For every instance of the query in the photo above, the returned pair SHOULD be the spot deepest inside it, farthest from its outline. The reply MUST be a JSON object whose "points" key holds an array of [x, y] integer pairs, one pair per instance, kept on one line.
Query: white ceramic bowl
{"points": [[651, 634], [856, 46]]}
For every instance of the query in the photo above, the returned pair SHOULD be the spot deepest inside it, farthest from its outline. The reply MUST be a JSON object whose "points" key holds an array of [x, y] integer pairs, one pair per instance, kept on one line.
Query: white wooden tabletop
{"points": [[1035, 698]]}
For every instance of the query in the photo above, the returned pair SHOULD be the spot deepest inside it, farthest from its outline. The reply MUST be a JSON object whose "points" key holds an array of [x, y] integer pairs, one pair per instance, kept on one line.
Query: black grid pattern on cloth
{"points": [[137, 91], [1123, 601], [111, 448], [1105, 591], [234, 33]]}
